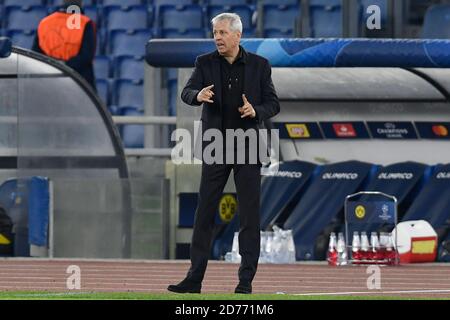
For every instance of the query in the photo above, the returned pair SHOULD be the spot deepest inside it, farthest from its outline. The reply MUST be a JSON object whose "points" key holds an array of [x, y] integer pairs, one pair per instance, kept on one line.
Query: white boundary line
{"points": [[21, 295], [56, 294], [370, 292]]}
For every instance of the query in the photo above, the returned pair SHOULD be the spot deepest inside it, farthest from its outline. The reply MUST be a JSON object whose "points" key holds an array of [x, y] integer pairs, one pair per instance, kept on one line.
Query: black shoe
{"points": [[186, 286], [243, 287]]}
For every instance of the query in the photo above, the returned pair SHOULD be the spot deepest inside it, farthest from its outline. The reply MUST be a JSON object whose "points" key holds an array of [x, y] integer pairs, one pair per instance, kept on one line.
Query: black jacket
{"points": [[258, 88]]}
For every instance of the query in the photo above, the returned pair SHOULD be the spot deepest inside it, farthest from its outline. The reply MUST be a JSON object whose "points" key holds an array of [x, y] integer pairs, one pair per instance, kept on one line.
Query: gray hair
{"points": [[235, 20]]}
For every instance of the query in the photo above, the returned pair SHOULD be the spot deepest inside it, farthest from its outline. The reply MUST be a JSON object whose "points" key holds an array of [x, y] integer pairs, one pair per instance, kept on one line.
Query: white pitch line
{"points": [[371, 292], [19, 295]]}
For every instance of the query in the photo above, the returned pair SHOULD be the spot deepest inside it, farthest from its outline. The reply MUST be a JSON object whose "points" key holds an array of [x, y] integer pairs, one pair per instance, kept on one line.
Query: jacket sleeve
{"points": [[36, 46], [193, 86], [270, 105], [87, 50]]}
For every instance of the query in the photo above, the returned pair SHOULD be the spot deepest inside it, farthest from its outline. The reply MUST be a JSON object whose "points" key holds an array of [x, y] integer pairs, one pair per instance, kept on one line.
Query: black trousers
{"points": [[247, 179]]}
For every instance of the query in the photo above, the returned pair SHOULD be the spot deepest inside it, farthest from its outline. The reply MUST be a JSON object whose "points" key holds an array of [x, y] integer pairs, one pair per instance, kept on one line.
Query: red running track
{"points": [[418, 280]]}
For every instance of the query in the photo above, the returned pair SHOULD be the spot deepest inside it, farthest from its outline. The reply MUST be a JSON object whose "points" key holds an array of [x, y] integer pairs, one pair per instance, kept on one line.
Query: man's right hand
{"points": [[206, 94]]}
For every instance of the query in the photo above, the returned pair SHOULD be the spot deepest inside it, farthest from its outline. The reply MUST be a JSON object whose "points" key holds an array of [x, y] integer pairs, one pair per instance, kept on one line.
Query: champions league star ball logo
{"points": [[389, 125], [385, 216]]}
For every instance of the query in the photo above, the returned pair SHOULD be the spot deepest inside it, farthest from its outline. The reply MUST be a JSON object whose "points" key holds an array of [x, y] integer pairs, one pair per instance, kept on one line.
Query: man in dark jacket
{"points": [[69, 38], [237, 93]]}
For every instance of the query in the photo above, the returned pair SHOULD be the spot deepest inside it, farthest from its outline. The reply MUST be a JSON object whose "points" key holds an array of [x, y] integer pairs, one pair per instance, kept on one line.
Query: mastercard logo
{"points": [[440, 130]]}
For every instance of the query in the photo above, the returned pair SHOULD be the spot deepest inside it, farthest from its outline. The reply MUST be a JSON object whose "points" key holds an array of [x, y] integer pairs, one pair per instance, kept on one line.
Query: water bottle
{"points": [[341, 250], [375, 243], [277, 246], [285, 250], [332, 253], [262, 251], [365, 254], [229, 257], [391, 252], [356, 248], [384, 242], [235, 256], [269, 249], [290, 246]]}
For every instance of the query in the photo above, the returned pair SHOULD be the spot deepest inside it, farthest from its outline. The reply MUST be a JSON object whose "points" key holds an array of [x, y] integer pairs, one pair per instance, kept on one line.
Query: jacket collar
{"points": [[241, 55]]}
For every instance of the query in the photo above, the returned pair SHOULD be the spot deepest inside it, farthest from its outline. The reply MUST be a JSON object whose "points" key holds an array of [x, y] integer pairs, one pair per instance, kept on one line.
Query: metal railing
{"points": [[146, 120]]}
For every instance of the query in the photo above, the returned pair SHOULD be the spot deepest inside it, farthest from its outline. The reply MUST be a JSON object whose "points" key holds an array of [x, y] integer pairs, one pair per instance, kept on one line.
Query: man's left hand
{"points": [[247, 109]]}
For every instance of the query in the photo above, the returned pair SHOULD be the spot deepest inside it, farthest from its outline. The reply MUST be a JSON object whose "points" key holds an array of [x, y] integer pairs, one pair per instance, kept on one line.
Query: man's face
{"points": [[226, 40]]}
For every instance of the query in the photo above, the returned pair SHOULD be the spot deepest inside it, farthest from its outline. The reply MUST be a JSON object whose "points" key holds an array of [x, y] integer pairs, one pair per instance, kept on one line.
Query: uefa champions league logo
{"points": [[385, 216]]}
